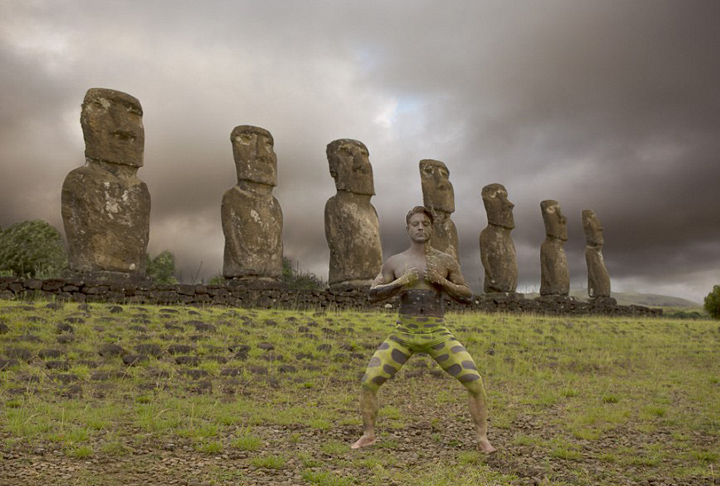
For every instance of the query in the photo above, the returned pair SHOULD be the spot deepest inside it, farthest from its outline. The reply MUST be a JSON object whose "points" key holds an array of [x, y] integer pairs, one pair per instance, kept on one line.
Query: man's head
{"points": [[419, 222], [350, 166], [438, 193], [593, 229], [112, 127], [255, 159], [555, 221], [498, 207]]}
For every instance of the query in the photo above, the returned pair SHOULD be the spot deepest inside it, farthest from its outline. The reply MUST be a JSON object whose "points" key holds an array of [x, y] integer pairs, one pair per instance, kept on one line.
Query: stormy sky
{"points": [[606, 105]]}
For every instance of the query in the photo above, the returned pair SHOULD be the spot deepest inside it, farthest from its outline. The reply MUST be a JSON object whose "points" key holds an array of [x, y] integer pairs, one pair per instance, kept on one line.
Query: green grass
{"points": [[212, 447], [269, 462], [620, 394], [245, 441], [80, 452], [324, 478]]}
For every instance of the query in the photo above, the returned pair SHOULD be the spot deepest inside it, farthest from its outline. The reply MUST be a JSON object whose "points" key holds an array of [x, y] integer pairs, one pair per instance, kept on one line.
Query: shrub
{"points": [[712, 302], [32, 249], [161, 269], [297, 280]]}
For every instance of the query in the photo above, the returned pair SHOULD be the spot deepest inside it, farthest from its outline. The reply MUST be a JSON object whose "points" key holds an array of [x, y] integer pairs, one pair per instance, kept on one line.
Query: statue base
{"points": [[102, 277], [351, 286], [255, 283], [602, 300]]}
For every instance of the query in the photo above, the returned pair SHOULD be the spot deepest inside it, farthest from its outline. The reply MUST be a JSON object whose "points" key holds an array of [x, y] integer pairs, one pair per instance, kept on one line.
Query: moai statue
{"points": [[439, 198], [105, 206], [598, 278], [554, 274], [252, 219], [352, 228], [497, 250]]}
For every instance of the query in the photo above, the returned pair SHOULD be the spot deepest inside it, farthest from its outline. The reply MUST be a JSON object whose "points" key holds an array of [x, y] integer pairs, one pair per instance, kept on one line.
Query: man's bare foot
{"points": [[485, 446], [363, 441]]}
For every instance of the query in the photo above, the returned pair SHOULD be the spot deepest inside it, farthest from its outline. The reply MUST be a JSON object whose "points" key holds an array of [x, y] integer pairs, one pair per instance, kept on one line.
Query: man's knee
{"points": [[372, 383], [473, 384]]}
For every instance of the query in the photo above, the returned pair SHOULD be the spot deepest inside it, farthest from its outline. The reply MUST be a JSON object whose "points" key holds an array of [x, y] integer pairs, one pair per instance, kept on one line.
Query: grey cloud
{"points": [[611, 106]]}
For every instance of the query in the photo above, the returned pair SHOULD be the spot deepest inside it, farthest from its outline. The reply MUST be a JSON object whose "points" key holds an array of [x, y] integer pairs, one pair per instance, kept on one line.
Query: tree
{"points": [[161, 269], [32, 249], [297, 280], [712, 302]]}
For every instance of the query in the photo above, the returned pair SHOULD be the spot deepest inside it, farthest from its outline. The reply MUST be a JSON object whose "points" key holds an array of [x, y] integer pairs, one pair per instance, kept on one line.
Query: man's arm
{"points": [[453, 284], [386, 285]]}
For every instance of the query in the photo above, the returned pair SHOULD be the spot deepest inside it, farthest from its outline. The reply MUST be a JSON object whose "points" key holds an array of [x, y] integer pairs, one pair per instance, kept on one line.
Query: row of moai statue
{"points": [[106, 211], [497, 250]]}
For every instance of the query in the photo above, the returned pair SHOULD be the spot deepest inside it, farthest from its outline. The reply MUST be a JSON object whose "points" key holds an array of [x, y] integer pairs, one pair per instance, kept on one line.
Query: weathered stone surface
{"points": [[105, 206], [598, 277], [554, 273], [439, 198], [248, 297], [252, 219], [352, 228], [497, 250]]}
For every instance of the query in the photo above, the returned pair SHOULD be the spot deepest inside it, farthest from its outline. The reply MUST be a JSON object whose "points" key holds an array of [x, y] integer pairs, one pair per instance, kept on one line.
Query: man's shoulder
{"points": [[442, 256], [395, 259]]}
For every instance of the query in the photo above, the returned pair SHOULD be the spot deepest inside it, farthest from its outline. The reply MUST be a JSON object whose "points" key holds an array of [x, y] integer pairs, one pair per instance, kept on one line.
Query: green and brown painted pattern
{"points": [[429, 335]]}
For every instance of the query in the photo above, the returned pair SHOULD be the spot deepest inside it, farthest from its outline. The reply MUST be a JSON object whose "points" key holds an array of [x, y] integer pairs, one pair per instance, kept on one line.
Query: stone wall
{"points": [[276, 297]]}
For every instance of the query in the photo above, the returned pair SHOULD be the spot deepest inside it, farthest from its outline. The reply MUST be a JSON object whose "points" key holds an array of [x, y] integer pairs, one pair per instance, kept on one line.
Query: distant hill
{"points": [[634, 298]]}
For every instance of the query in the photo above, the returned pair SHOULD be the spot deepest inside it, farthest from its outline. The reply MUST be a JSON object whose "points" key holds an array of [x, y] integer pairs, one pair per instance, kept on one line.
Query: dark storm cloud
{"points": [[611, 106], [603, 106]]}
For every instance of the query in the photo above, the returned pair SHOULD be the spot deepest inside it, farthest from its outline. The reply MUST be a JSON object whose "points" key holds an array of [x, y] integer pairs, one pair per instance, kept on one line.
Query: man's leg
{"points": [[477, 401], [457, 362], [386, 361], [369, 410]]}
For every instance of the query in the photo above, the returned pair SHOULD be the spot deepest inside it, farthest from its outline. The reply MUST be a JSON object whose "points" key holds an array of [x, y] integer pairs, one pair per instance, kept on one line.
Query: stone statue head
{"points": [[438, 193], [555, 221], [350, 166], [255, 159], [112, 127], [593, 229], [498, 207]]}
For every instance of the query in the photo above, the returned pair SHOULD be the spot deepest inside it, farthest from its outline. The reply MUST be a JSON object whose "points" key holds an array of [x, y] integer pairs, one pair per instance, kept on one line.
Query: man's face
{"points": [[555, 222], [437, 190], [353, 172], [255, 158], [419, 228], [113, 131], [498, 206]]}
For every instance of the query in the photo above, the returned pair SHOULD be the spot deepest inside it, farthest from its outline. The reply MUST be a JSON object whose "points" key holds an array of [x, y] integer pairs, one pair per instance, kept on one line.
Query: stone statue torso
{"points": [[598, 278], [352, 230], [445, 237], [107, 220], [252, 224], [554, 273], [499, 259]]}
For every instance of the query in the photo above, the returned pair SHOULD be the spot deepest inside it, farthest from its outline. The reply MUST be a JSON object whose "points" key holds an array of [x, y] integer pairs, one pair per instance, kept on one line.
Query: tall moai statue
{"points": [[497, 250], [105, 206], [252, 219], [554, 274], [598, 277], [352, 228], [439, 198]]}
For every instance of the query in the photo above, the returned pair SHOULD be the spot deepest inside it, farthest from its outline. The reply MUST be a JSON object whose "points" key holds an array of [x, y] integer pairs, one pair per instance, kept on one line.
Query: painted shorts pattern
{"points": [[415, 334]]}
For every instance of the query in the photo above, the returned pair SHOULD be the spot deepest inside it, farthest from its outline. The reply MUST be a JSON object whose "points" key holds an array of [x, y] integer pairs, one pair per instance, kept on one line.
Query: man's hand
{"points": [[410, 277], [432, 276]]}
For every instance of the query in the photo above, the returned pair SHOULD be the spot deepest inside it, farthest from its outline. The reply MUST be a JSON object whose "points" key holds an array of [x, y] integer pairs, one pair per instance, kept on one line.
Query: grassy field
{"points": [[103, 394]]}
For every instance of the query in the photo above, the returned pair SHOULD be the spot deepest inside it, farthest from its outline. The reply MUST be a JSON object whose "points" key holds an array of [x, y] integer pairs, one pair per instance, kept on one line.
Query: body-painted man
{"points": [[420, 276]]}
